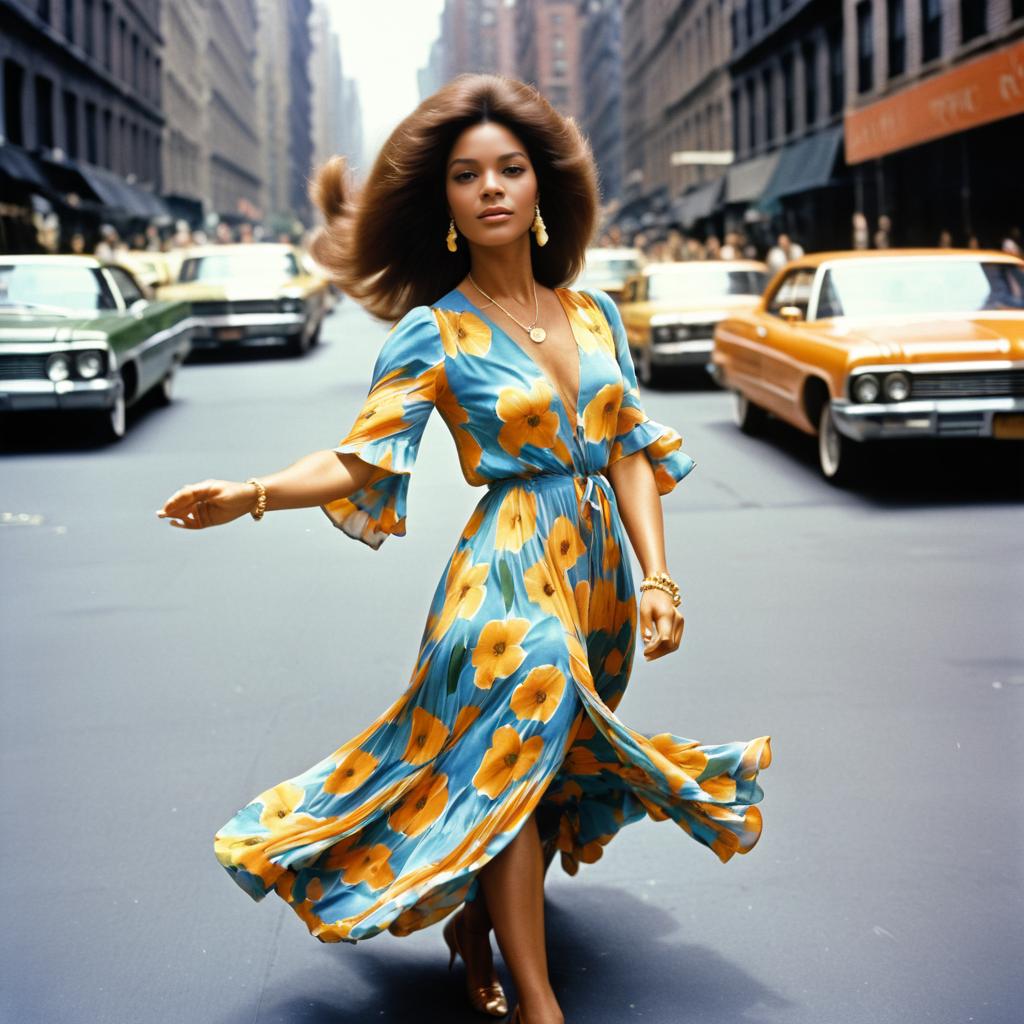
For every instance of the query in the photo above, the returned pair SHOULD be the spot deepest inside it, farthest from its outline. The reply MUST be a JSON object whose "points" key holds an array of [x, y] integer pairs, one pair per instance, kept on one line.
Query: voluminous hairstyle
{"points": [[385, 244]]}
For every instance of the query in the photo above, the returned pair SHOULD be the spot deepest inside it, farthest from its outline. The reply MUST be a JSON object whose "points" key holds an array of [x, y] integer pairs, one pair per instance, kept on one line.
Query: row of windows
{"points": [[90, 25], [87, 131], [767, 104]]}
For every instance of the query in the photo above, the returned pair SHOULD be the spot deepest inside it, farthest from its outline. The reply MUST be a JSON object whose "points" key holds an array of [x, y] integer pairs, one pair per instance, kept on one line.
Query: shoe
{"points": [[490, 998]]}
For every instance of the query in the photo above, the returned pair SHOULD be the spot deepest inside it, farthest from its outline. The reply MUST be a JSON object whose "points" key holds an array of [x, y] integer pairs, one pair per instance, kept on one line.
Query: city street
{"points": [[156, 680]]}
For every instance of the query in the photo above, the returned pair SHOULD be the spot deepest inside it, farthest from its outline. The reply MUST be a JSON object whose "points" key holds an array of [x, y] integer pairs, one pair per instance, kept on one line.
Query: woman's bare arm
{"points": [[636, 493], [315, 479]]}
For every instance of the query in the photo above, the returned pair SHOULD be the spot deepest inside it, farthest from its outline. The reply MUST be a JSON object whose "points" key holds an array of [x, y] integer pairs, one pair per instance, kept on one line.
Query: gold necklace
{"points": [[537, 334]]}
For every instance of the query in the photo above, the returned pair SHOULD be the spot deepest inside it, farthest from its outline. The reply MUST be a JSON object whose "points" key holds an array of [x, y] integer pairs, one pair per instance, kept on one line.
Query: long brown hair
{"points": [[385, 246]]}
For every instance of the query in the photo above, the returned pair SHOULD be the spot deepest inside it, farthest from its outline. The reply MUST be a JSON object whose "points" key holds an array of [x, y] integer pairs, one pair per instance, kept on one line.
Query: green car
{"points": [[79, 335]]}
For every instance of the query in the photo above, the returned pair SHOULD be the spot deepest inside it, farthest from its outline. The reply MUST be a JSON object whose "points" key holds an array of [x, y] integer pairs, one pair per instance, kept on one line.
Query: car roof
{"points": [[681, 266], [817, 258], [226, 247]]}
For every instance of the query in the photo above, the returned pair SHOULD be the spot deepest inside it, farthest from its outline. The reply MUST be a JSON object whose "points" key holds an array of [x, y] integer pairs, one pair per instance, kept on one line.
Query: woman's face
{"points": [[488, 166]]}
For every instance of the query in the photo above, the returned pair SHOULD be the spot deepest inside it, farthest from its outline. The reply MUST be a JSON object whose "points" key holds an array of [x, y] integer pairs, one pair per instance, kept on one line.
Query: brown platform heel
{"points": [[490, 998]]}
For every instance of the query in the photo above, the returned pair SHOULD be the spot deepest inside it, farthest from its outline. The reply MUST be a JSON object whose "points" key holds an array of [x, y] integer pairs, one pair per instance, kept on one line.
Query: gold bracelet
{"points": [[261, 499], [662, 581]]}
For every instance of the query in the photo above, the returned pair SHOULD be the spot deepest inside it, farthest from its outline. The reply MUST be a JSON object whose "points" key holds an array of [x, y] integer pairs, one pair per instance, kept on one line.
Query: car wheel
{"points": [[644, 367], [840, 458], [315, 339], [165, 389], [750, 418], [298, 344], [110, 424]]}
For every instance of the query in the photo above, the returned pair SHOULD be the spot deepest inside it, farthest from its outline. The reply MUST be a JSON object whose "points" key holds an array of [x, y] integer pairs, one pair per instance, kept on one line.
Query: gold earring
{"points": [[452, 245], [538, 226]]}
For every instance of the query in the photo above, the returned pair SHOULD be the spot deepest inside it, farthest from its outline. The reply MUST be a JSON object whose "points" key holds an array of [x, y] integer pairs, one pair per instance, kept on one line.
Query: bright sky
{"points": [[383, 44]]}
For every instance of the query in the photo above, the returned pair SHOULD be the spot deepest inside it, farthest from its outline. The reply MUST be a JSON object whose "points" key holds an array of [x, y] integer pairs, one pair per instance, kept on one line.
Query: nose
{"points": [[491, 182]]}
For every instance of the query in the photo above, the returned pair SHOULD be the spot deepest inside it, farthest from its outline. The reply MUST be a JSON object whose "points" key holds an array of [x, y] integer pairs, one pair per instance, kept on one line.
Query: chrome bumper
{"points": [[256, 328], [948, 417], [67, 395], [692, 352]]}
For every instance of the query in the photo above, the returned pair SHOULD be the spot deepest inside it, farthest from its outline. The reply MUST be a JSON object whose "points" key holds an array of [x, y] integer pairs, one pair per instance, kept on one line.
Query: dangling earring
{"points": [[538, 226], [452, 245]]}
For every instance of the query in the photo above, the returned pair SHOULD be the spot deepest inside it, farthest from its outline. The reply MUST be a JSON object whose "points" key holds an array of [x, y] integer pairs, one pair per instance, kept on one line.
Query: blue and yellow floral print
{"points": [[526, 653]]}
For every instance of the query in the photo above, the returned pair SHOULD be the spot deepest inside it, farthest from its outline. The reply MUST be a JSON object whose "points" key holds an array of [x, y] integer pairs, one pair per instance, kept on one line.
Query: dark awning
{"points": [[699, 202], [745, 182], [805, 165], [118, 193], [19, 165]]}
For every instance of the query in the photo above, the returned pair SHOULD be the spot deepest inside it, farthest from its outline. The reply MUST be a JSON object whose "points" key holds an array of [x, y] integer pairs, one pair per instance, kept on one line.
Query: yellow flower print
{"points": [[369, 864], [582, 595], [721, 787], [473, 523], [506, 759], [279, 805], [537, 697], [627, 418], [497, 653], [465, 718], [564, 544], [685, 755], [464, 591], [601, 414], [517, 519], [383, 411], [467, 446], [527, 417], [351, 773], [462, 332], [603, 605], [589, 324], [421, 806], [544, 588], [613, 662], [426, 737]]}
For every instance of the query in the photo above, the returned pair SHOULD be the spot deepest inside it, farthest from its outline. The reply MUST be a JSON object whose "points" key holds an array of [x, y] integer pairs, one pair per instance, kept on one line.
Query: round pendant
{"points": [[538, 334]]}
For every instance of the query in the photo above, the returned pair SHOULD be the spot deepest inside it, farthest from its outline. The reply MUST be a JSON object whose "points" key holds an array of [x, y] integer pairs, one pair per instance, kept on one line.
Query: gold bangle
{"points": [[261, 499], [662, 581]]}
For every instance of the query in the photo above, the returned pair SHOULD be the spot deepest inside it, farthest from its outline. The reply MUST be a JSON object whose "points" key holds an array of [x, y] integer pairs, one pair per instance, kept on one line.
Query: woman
{"points": [[504, 748]]}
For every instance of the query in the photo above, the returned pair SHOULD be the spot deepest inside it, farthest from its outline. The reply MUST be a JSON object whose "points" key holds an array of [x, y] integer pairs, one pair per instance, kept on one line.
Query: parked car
{"points": [[608, 268], [856, 346], [78, 336], [152, 269], [248, 294], [670, 309]]}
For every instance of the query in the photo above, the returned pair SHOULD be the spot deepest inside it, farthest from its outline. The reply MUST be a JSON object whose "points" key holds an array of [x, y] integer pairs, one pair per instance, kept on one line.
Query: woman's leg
{"points": [[513, 887]]}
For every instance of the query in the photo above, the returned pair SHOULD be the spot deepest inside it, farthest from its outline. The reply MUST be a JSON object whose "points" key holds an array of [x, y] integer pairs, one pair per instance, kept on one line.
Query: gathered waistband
{"points": [[594, 481]]}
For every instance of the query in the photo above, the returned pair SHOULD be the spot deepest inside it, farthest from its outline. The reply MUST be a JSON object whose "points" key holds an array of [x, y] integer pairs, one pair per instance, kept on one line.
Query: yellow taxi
{"points": [[251, 294], [897, 343], [670, 309]]}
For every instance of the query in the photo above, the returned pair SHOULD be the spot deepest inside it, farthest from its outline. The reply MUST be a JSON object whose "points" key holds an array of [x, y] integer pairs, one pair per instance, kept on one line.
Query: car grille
{"points": [[683, 332], [23, 366], [224, 308], [983, 384]]}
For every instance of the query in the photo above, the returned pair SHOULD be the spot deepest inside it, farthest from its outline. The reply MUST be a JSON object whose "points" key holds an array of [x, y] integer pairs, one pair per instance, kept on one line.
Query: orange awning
{"points": [[988, 88]]}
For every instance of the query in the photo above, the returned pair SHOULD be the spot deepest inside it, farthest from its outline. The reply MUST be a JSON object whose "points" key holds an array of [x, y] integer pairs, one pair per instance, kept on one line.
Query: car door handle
{"points": [[762, 331]]}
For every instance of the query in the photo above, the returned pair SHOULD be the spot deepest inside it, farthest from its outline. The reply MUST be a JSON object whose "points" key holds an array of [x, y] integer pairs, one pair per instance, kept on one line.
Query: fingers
{"points": [[188, 501], [665, 634]]}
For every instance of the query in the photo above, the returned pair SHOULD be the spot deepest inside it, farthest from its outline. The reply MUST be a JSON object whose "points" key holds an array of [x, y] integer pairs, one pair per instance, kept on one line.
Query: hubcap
{"points": [[739, 407], [117, 417], [828, 444]]}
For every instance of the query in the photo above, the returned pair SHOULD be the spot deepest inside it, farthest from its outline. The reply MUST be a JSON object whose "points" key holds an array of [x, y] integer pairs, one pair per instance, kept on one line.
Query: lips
{"points": [[497, 213]]}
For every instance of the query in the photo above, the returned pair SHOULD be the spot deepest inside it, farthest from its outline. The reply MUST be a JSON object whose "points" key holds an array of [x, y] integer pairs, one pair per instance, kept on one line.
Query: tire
{"points": [[750, 418], [164, 391], [111, 424], [840, 459], [298, 344]]}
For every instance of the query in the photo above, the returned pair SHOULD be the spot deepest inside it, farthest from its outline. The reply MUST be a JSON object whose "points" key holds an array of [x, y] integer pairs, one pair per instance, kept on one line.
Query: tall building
{"points": [[477, 35], [337, 127], [547, 50], [600, 92], [935, 109]]}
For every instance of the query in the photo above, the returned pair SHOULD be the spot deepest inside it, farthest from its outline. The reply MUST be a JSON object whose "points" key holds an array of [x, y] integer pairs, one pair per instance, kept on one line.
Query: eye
{"points": [[511, 167]]}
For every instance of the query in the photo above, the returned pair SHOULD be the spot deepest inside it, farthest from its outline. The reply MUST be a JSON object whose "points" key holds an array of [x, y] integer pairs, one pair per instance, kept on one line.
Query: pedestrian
{"points": [[504, 748], [945, 240], [1011, 242], [784, 250]]}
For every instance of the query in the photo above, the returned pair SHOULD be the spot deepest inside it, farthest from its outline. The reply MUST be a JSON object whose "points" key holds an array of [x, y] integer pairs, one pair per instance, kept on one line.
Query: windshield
{"points": [[53, 288], [237, 266], [885, 287], [703, 282]]}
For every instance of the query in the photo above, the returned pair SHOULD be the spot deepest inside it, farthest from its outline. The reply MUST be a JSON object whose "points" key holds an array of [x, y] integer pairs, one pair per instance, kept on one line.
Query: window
{"points": [[44, 112], [91, 140], [766, 13], [71, 124], [750, 20], [973, 19], [769, 106], [794, 290], [931, 29], [835, 70], [897, 25], [751, 115], [558, 44], [130, 291], [14, 82], [49, 285], [88, 15], [69, 20], [865, 46], [107, 34], [788, 100], [1017, 9], [735, 100], [810, 53], [44, 10], [108, 141]]}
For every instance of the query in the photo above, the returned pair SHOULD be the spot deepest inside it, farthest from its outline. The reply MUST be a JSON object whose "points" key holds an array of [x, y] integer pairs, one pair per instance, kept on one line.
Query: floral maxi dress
{"points": [[525, 654]]}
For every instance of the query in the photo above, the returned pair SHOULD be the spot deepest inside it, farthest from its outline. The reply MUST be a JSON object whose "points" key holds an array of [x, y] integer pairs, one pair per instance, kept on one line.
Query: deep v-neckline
{"points": [[533, 362]]}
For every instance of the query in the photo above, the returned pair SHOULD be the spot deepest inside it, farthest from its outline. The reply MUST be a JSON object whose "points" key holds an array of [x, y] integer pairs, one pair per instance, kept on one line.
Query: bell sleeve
{"points": [[635, 429], [388, 428]]}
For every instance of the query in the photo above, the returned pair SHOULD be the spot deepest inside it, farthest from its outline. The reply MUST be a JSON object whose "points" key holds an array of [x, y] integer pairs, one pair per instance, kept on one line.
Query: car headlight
{"points": [[291, 305], [89, 364], [682, 332], [896, 386], [865, 388], [662, 334], [58, 367]]}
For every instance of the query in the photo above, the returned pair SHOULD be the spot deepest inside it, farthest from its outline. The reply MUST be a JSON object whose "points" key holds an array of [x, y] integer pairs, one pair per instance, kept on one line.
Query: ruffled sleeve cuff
{"points": [[662, 445]]}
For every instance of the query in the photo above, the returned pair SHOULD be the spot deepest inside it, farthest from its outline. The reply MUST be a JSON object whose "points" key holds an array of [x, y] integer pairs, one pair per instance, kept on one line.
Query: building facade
{"points": [[547, 41], [476, 35]]}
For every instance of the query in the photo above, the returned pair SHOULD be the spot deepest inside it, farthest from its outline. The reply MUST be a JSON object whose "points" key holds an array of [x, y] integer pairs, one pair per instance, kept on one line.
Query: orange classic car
{"points": [[897, 343]]}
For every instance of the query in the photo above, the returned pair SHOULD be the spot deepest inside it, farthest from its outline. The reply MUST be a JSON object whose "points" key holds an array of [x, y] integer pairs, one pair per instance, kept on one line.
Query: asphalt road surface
{"points": [[155, 680]]}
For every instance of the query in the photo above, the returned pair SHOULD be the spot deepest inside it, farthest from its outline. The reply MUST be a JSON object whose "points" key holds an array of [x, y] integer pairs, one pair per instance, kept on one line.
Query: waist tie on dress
{"points": [[595, 481]]}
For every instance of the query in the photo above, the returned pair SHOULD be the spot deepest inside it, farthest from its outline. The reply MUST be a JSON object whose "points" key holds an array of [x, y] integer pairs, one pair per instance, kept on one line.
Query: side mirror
{"points": [[138, 307], [791, 314]]}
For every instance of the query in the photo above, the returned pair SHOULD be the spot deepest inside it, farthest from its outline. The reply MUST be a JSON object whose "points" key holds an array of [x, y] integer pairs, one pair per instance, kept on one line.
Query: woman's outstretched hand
{"points": [[661, 623], [208, 503]]}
